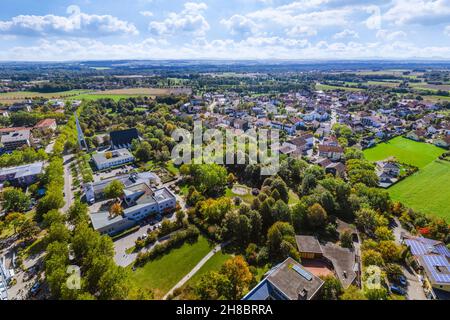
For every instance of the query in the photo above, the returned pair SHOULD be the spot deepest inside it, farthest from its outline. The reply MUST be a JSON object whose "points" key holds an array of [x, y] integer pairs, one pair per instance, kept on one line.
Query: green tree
{"points": [[317, 216], [331, 289], [353, 293], [15, 199], [114, 189]]}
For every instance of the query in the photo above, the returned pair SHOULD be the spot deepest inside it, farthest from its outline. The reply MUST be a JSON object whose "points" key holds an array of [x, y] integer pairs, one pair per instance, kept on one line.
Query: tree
{"points": [[372, 258], [353, 293], [15, 219], [384, 233], [28, 229], [211, 286], [331, 289], [281, 241], [346, 238], [209, 179], [115, 210], [281, 211], [361, 171], [53, 200], [239, 277], [114, 189], [78, 212], [15, 199], [144, 152], [317, 216], [52, 217]]}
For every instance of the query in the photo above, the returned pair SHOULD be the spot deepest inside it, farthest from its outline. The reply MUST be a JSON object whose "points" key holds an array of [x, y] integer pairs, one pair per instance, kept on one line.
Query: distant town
{"points": [[358, 210]]}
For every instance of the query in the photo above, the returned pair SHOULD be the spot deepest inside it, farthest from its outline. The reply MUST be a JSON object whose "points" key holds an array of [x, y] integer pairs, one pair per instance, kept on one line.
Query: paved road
{"points": [[69, 197], [196, 268]]}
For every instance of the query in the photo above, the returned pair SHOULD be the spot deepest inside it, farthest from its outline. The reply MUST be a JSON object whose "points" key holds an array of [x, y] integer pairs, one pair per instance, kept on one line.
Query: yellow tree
{"points": [[115, 210]]}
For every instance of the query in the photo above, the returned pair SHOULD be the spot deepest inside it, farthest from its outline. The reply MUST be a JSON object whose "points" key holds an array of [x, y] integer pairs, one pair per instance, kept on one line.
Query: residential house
{"points": [[46, 125], [432, 258], [335, 153], [287, 281]]}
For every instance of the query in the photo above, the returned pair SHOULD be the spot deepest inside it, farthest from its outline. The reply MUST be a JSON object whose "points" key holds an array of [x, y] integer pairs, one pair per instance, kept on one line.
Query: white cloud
{"points": [[146, 13], [239, 24], [390, 35], [422, 12], [189, 20], [347, 33], [447, 30], [301, 31], [77, 24]]}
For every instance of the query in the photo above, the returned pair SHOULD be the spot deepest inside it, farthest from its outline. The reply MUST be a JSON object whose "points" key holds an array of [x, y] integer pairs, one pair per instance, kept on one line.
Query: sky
{"points": [[60, 30]]}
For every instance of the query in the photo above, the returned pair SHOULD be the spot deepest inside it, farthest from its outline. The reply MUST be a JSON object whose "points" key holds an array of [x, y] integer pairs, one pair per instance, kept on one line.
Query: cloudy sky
{"points": [[224, 29]]}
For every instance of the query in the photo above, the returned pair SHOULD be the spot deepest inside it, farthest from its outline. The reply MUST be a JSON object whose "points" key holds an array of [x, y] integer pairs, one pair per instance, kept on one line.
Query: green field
{"points": [[428, 190], [213, 264], [405, 150], [115, 97], [326, 87], [164, 272]]}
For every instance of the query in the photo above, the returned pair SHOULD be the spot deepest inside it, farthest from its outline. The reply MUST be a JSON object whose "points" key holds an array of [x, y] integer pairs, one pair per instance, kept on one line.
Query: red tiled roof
{"points": [[6, 130], [45, 123], [323, 148]]}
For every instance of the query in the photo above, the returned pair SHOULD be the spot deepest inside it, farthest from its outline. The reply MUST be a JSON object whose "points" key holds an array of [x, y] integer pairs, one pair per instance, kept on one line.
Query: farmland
{"points": [[404, 150], [427, 190], [18, 96]]}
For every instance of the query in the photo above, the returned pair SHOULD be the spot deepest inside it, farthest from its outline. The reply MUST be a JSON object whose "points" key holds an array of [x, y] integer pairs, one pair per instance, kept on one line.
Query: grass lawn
{"points": [[213, 264], [427, 191], [163, 273], [12, 97], [418, 154], [247, 198]]}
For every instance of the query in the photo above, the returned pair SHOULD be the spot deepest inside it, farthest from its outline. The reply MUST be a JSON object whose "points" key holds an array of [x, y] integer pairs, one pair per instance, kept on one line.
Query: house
{"points": [[329, 258], [432, 258], [46, 125], [309, 247], [110, 159], [416, 135], [123, 138], [443, 142], [139, 201], [23, 175], [241, 124], [334, 153], [15, 139], [287, 281]]}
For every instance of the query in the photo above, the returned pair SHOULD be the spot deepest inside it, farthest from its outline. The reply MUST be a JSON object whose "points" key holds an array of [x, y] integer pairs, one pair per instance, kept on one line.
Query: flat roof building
{"points": [[110, 159]]}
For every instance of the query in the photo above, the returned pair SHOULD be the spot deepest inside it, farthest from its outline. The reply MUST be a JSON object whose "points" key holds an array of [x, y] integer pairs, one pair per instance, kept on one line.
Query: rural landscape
{"points": [[222, 178]]}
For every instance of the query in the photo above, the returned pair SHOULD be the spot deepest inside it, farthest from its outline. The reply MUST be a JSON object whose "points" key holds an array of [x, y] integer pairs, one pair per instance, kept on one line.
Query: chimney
{"points": [[302, 295]]}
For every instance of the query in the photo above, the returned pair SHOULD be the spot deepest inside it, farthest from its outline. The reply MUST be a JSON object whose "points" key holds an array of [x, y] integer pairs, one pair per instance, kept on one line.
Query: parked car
{"points": [[35, 288], [403, 281], [397, 290]]}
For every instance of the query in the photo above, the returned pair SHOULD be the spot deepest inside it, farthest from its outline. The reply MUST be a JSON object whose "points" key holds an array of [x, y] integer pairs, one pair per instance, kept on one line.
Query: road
{"points": [[68, 180], [195, 269]]}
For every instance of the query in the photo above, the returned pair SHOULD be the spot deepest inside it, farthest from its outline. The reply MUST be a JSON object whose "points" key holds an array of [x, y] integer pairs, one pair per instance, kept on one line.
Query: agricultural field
{"points": [[405, 150], [427, 191], [164, 272], [18, 96], [326, 87], [430, 87], [388, 84]]}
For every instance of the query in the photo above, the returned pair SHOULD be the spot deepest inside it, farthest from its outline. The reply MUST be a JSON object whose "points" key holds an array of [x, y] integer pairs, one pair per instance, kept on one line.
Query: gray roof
{"points": [[23, 170], [292, 283], [100, 158], [103, 219], [308, 244], [19, 135], [127, 180], [343, 260]]}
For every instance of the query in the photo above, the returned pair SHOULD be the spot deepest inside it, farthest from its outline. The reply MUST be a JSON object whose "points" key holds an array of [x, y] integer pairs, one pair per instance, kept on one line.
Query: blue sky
{"points": [[231, 29]]}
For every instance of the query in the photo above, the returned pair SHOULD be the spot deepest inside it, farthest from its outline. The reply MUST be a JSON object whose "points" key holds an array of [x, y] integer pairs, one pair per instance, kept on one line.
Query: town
{"points": [[362, 187]]}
